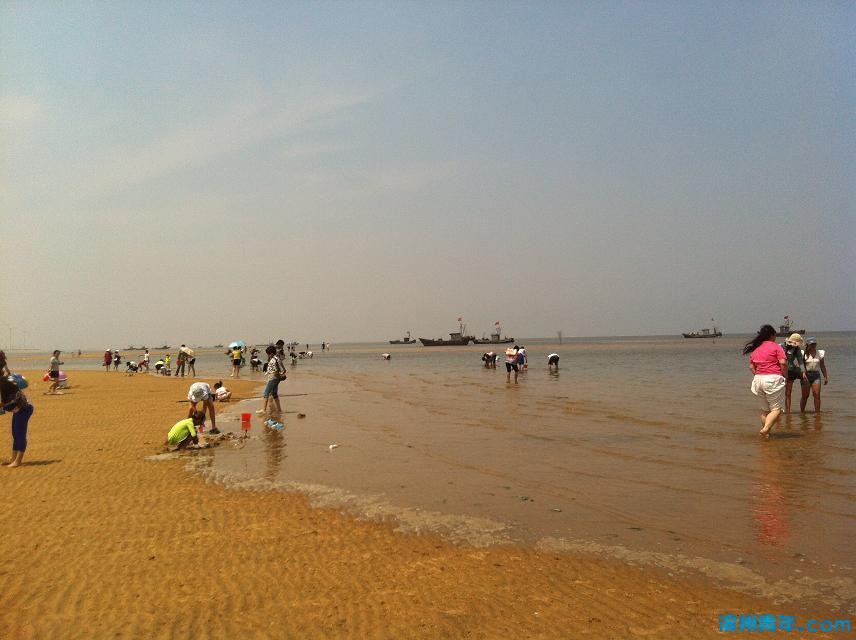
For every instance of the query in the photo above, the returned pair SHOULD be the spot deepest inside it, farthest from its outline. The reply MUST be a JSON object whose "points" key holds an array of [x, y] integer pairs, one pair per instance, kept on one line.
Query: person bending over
{"points": [[201, 392], [184, 432]]}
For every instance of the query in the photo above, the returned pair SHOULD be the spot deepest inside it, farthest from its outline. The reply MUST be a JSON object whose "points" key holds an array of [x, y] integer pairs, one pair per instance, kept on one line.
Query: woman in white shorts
{"points": [[769, 366]]}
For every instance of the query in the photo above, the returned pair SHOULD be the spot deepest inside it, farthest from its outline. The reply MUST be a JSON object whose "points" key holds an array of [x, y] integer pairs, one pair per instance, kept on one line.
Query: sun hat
{"points": [[795, 340], [811, 341]]}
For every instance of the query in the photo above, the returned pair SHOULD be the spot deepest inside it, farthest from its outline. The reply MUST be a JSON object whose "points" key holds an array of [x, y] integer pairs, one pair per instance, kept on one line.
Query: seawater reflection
{"points": [[648, 444]]}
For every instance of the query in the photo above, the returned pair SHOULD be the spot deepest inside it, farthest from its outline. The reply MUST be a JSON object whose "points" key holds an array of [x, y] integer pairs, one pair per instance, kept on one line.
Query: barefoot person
{"points": [[793, 348], [201, 392], [15, 402], [767, 363], [815, 364], [185, 431], [221, 393], [54, 373], [237, 357], [275, 373], [553, 361], [511, 364]]}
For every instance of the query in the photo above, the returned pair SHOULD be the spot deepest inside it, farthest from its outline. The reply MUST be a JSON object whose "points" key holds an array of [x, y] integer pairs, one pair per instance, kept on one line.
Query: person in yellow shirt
{"points": [[185, 431], [237, 355]]}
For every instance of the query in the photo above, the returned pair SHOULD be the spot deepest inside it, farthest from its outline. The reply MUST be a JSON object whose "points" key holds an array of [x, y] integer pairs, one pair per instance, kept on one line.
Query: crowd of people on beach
{"points": [[200, 396], [775, 368]]}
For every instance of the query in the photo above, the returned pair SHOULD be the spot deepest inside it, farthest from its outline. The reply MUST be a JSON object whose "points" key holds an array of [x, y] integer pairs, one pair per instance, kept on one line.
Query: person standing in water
{"points": [[237, 356], [815, 364], [275, 373], [769, 369], [180, 362], [793, 348], [511, 364]]}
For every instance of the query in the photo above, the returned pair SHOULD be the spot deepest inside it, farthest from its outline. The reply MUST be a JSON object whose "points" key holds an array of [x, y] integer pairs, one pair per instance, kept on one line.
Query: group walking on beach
{"points": [[775, 367]]}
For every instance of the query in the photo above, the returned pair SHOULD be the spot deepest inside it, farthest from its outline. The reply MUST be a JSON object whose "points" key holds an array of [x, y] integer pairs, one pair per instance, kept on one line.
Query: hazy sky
{"points": [[203, 171]]}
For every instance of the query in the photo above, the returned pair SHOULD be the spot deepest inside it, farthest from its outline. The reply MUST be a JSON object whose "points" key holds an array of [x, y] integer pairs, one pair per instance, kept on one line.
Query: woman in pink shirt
{"points": [[770, 368]]}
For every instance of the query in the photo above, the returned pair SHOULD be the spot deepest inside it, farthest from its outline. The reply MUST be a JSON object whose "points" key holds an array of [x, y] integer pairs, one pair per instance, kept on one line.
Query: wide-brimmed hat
{"points": [[795, 340]]}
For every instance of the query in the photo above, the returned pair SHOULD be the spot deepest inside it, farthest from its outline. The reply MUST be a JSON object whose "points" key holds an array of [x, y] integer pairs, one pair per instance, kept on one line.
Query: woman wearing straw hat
{"points": [[793, 347], [815, 364]]}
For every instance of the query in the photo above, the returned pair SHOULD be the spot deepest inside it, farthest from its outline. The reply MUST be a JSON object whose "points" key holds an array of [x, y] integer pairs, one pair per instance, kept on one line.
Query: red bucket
{"points": [[245, 421]]}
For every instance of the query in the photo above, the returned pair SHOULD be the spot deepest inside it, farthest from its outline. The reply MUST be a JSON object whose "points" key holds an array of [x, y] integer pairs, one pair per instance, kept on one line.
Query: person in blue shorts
{"points": [[15, 402], [275, 373]]}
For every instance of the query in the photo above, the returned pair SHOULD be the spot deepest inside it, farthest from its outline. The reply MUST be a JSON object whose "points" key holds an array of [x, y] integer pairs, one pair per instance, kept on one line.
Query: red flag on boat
{"points": [[497, 322], [786, 317], [460, 319]]}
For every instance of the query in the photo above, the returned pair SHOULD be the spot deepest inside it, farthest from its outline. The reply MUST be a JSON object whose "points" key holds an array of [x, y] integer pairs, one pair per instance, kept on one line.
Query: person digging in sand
{"points": [[185, 431], [201, 392]]}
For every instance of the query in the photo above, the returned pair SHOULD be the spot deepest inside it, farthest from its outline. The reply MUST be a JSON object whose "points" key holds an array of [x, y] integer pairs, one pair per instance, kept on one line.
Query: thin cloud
{"points": [[236, 129]]}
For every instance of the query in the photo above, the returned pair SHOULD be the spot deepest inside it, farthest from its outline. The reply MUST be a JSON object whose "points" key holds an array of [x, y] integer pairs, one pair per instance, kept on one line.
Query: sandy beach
{"points": [[102, 541]]}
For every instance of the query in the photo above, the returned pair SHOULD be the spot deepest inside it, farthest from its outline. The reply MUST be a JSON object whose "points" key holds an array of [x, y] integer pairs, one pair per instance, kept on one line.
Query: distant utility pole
{"points": [[560, 337]]}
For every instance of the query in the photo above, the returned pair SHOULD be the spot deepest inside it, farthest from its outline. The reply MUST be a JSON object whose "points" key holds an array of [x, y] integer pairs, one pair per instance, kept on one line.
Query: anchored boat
{"points": [[406, 340], [705, 333], [495, 337], [787, 328], [456, 338]]}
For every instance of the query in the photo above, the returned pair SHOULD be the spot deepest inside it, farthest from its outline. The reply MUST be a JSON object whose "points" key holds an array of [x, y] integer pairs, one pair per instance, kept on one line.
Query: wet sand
{"points": [[102, 541], [437, 444]]}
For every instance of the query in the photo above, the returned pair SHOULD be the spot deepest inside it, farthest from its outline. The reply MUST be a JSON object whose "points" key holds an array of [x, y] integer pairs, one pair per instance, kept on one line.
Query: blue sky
{"points": [[195, 172]]}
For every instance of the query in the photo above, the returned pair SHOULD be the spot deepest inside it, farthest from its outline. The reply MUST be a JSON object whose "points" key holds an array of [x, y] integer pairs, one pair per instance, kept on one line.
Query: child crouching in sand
{"points": [[185, 431], [221, 393]]}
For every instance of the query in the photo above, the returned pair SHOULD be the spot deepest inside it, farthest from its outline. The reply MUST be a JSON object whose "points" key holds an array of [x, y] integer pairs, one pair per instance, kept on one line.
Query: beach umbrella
{"points": [[237, 344]]}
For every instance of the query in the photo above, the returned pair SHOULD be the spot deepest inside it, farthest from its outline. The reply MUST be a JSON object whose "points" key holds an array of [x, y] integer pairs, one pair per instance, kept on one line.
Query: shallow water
{"points": [[644, 448]]}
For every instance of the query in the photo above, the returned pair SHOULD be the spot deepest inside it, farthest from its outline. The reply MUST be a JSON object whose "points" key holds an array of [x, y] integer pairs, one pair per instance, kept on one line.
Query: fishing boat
{"points": [[405, 340], [456, 338], [787, 328], [495, 337], [704, 333]]}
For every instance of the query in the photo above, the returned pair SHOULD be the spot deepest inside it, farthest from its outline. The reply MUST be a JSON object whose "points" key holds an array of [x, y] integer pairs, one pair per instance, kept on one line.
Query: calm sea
{"points": [[644, 449]]}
